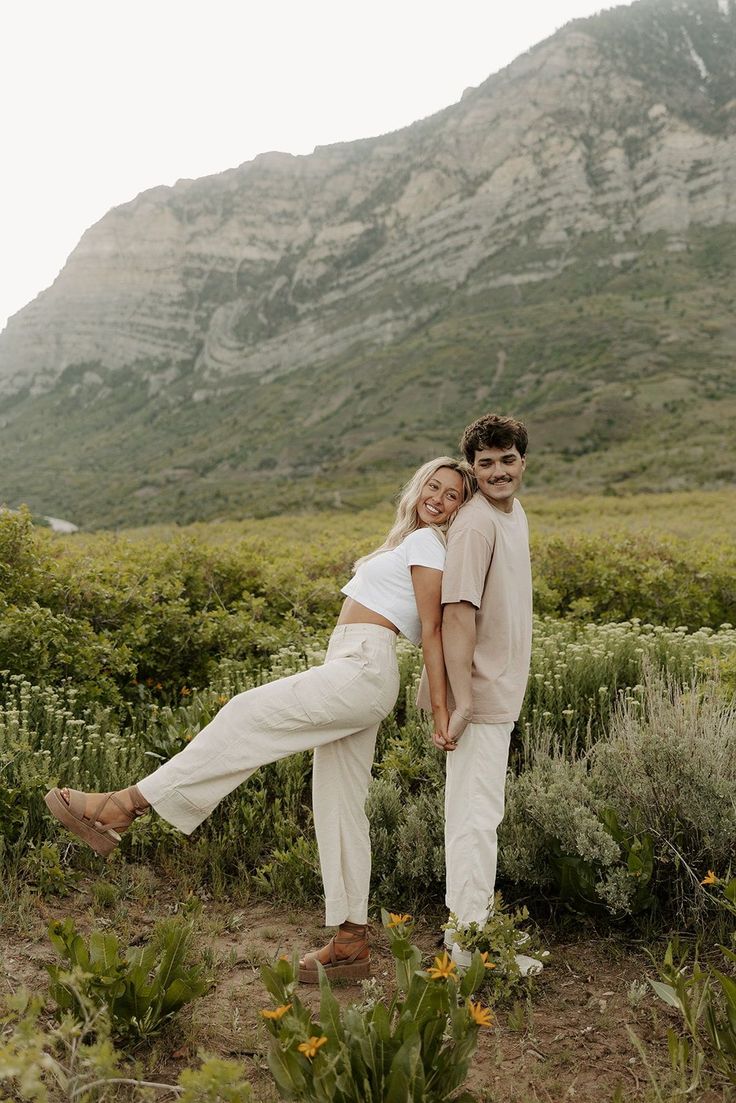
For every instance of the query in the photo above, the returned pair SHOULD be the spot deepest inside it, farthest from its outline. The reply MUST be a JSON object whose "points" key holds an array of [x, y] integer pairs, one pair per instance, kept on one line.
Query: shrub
{"points": [[499, 941], [77, 1058], [215, 1081], [407, 842], [615, 578], [140, 990], [559, 833], [641, 816], [43, 869], [669, 770], [705, 998], [128, 618], [419, 1047], [570, 823]]}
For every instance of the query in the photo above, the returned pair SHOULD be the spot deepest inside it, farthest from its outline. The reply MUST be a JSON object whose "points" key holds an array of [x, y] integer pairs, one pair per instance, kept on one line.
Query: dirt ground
{"points": [[565, 1038]]}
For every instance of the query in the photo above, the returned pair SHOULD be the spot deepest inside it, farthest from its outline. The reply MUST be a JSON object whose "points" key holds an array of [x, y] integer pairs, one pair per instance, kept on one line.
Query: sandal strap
{"points": [[359, 936], [116, 825], [352, 936], [136, 809]]}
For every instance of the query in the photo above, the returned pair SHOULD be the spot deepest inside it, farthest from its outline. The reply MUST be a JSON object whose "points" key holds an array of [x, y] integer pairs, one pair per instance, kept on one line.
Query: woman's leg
{"points": [[340, 780], [356, 685]]}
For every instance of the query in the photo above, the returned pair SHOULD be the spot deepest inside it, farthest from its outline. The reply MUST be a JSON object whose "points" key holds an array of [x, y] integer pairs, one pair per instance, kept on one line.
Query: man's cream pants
{"points": [[335, 709], [474, 805]]}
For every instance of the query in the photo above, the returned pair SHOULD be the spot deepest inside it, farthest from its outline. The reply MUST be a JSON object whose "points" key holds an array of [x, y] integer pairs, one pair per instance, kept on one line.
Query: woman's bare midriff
{"points": [[353, 612]]}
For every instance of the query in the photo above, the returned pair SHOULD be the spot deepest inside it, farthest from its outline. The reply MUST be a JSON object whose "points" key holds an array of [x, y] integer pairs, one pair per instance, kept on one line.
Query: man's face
{"points": [[499, 472]]}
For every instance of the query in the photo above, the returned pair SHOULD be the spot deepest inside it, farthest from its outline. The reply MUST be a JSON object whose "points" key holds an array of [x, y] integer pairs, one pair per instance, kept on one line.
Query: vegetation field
{"points": [[616, 852]]}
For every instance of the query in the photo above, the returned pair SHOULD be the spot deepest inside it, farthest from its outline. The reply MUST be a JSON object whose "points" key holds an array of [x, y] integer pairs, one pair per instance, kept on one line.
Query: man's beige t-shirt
{"points": [[488, 565]]}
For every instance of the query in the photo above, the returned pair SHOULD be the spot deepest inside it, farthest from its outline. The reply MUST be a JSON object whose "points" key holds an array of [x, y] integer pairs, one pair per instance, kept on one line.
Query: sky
{"points": [[102, 99]]}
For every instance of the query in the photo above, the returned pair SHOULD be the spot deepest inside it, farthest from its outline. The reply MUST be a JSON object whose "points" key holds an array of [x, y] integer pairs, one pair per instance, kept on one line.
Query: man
{"points": [[486, 632]]}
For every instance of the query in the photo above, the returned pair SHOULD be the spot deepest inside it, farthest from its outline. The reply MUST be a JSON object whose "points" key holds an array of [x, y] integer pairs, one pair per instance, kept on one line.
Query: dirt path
{"points": [[565, 1039]]}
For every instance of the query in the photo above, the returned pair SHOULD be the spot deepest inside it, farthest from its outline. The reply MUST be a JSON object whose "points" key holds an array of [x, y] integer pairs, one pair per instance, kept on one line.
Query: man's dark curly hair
{"points": [[493, 431]]}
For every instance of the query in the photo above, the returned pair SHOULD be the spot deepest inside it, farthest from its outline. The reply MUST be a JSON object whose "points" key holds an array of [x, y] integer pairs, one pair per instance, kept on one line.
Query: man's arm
{"points": [[458, 642]]}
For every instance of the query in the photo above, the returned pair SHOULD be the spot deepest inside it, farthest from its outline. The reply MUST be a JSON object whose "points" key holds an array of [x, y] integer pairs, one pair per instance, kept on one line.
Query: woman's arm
{"points": [[459, 634], [427, 583]]}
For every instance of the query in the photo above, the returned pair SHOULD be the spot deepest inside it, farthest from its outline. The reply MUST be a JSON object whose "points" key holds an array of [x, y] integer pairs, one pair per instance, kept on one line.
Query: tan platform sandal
{"points": [[354, 966], [102, 837]]}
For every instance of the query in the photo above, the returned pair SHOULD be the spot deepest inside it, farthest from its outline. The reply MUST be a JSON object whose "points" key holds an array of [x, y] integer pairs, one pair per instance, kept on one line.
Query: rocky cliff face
{"points": [[616, 133]]}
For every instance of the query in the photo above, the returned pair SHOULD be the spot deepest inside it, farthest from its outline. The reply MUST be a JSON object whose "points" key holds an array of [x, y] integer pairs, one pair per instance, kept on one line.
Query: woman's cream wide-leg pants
{"points": [[335, 709]]}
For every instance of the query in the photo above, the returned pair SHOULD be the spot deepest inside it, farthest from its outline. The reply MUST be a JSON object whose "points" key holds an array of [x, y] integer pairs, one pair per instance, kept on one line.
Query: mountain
{"points": [[560, 244]]}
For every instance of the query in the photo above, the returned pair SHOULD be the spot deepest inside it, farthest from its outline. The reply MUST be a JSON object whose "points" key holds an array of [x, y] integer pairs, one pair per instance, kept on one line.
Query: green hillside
{"points": [[625, 376]]}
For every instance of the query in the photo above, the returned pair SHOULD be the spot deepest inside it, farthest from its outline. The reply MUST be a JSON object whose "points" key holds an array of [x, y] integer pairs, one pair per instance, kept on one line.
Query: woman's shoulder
{"points": [[425, 543], [424, 537]]}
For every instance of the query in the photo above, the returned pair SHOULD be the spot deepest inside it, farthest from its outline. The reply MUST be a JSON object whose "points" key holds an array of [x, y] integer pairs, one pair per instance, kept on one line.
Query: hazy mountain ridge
{"points": [[556, 240]]}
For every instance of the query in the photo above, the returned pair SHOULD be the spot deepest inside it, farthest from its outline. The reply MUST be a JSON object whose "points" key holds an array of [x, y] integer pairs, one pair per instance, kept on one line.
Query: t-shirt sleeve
{"points": [[469, 555], [424, 549]]}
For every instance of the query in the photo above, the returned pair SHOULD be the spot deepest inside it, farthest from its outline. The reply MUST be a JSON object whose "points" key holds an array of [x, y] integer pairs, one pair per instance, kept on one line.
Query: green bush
{"points": [[140, 990], [641, 817], [571, 823], [129, 619], [417, 1048], [215, 1081], [705, 998], [36, 1061], [665, 581], [77, 1060], [499, 941]]}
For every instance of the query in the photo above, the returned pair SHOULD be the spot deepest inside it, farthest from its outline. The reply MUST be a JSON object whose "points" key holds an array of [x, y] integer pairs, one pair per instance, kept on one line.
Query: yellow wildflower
{"points": [[277, 1013], [309, 1049], [442, 968], [484, 958], [480, 1014], [397, 920], [710, 878]]}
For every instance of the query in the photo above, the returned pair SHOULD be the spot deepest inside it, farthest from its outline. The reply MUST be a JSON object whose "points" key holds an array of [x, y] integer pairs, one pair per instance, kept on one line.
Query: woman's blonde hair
{"points": [[407, 519]]}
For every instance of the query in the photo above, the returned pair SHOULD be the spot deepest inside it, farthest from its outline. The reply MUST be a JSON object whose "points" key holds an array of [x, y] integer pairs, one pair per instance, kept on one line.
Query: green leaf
{"points": [[403, 1070], [728, 985], [274, 983], [474, 974], [329, 1011], [381, 1022], [286, 1070], [104, 951], [181, 991], [667, 993]]}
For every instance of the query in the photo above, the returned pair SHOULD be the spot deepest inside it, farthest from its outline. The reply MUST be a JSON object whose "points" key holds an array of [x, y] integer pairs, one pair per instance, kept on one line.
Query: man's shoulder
{"points": [[475, 516], [475, 512]]}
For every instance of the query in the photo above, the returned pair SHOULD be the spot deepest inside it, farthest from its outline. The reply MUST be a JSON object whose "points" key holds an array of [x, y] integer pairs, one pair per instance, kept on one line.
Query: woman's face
{"points": [[440, 497]]}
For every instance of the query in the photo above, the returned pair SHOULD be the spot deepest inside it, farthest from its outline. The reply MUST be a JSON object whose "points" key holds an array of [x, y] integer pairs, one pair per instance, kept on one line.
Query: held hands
{"points": [[446, 734], [441, 721]]}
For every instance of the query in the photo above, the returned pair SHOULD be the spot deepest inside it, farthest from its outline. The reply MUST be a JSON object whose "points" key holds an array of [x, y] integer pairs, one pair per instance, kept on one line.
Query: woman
{"points": [[334, 708]]}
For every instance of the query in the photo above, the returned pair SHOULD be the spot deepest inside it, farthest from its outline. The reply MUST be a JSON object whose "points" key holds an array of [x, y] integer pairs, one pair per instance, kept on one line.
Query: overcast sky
{"points": [[102, 99]]}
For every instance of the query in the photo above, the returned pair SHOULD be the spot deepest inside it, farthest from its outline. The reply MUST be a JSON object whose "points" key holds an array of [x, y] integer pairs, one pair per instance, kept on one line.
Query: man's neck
{"points": [[501, 507]]}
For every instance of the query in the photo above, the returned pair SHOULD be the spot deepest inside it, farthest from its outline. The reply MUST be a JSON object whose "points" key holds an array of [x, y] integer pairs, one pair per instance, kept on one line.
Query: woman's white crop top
{"points": [[384, 585]]}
